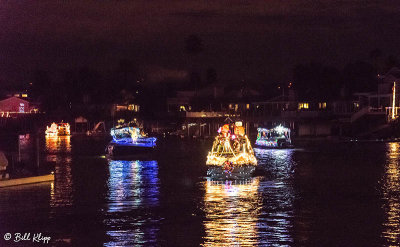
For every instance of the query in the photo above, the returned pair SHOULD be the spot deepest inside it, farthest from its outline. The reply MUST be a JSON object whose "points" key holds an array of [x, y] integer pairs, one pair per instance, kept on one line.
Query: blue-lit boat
{"points": [[278, 137], [129, 140]]}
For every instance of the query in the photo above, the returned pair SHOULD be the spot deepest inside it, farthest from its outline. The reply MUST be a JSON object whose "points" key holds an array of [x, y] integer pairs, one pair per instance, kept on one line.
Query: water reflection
{"points": [[59, 152], [278, 195], [133, 191], [62, 189], [58, 144], [391, 195], [278, 162], [232, 209], [25, 147]]}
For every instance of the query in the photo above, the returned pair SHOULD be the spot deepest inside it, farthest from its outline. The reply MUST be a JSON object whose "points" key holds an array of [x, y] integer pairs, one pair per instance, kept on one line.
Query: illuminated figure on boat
{"points": [[231, 155]]}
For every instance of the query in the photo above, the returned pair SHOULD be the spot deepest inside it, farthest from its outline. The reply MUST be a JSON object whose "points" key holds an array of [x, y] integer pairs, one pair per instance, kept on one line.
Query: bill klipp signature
{"points": [[34, 238]]}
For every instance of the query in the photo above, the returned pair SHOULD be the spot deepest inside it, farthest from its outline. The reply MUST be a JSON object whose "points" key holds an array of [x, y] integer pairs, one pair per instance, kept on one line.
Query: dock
{"points": [[27, 180]]}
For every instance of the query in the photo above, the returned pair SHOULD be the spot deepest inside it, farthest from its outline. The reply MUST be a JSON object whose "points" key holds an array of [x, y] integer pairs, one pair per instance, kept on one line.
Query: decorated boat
{"points": [[128, 140], [60, 129], [231, 156], [278, 137]]}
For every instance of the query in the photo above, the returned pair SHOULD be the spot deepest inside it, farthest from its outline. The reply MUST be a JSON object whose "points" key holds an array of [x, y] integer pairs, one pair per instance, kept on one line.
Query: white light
{"points": [[280, 129]]}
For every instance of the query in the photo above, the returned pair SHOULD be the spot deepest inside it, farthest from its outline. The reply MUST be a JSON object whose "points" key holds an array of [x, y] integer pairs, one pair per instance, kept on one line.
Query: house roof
{"points": [[15, 99], [392, 75]]}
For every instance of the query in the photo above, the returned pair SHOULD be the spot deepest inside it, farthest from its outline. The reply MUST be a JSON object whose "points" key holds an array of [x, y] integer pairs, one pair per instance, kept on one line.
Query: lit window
{"points": [[236, 107], [303, 106], [322, 105], [131, 107], [16, 95], [230, 106], [247, 106], [121, 107], [24, 95], [182, 108]]}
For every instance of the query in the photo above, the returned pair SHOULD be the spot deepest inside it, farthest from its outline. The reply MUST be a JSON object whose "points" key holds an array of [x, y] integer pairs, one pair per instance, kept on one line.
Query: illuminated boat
{"points": [[231, 156], [129, 141], [60, 129], [278, 137]]}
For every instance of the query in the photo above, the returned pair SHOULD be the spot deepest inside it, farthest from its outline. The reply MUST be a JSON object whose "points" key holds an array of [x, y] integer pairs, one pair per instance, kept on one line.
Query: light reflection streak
{"points": [[133, 190], [277, 161], [278, 196], [231, 209], [59, 151], [391, 196], [58, 144]]}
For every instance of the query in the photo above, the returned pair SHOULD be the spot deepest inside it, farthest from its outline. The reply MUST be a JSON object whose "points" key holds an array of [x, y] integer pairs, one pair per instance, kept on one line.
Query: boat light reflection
{"points": [[133, 189], [231, 209], [391, 195], [58, 144]]}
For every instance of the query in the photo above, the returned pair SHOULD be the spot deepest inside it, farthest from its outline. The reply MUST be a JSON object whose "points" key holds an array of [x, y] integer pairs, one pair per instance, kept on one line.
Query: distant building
{"points": [[14, 105], [386, 81]]}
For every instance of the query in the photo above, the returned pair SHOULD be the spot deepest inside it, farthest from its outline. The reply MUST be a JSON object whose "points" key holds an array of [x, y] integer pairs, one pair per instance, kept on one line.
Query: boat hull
{"points": [[115, 150], [236, 172], [282, 146]]}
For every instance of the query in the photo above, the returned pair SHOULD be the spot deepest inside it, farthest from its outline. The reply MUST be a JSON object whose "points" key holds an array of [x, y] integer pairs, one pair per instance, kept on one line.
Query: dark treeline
{"points": [[87, 92], [315, 81]]}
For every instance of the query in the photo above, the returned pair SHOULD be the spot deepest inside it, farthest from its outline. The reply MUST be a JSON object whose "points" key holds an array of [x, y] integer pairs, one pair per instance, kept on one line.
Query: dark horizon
{"points": [[254, 41]]}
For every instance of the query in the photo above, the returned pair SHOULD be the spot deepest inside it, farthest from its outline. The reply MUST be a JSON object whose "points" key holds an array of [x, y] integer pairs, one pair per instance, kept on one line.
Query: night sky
{"points": [[254, 40]]}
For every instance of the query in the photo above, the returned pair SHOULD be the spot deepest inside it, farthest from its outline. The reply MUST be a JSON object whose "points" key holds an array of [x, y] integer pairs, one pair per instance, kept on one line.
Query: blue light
{"points": [[131, 136]]}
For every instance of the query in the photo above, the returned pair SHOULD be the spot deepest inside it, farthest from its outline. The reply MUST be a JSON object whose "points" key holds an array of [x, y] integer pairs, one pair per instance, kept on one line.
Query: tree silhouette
{"points": [[194, 46], [316, 82], [359, 77], [391, 61], [211, 76]]}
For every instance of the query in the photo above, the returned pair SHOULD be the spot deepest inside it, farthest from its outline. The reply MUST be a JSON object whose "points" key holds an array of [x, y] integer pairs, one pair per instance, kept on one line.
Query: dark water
{"points": [[323, 194]]}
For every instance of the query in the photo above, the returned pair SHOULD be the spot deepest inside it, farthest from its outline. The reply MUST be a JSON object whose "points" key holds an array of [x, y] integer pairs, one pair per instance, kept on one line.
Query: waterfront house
{"points": [[14, 106]]}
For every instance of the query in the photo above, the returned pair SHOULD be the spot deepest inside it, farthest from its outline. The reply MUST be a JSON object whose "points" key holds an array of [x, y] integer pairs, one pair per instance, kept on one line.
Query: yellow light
{"points": [[303, 106], [231, 221], [394, 100], [390, 186], [222, 151], [56, 130]]}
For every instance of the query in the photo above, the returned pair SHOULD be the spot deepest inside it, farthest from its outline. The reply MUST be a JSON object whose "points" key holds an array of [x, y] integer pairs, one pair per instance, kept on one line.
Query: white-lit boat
{"points": [[278, 137], [231, 156], [60, 129]]}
